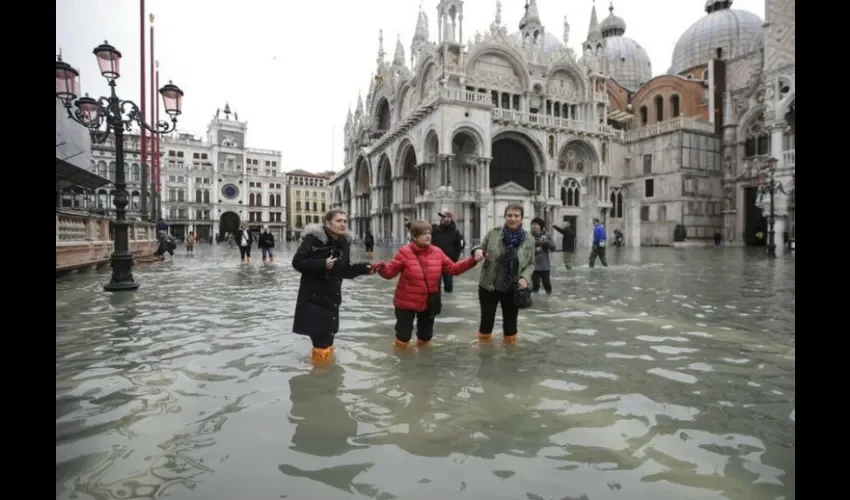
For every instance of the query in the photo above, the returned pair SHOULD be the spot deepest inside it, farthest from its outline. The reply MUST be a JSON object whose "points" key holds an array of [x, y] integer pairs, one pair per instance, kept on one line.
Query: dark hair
{"points": [[596, 219], [539, 222], [331, 215], [419, 227], [516, 207]]}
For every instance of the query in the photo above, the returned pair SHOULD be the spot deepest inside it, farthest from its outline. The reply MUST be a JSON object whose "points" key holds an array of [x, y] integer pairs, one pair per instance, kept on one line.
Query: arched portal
{"points": [[410, 179], [383, 116], [346, 197], [228, 223], [465, 148], [512, 162], [385, 226]]}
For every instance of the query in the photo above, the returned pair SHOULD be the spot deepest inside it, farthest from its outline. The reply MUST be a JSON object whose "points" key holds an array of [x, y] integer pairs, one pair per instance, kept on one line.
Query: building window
{"points": [[571, 193], [649, 188], [647, 164], [644, 213]]}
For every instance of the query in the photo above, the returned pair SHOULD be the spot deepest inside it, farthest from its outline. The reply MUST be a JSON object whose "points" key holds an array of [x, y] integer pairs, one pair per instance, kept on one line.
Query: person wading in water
{"points": [[323, 261]]}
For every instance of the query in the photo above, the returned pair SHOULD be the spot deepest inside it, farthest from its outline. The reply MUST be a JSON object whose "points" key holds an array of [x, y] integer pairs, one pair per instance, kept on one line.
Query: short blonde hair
{"points": [[418, 228]]}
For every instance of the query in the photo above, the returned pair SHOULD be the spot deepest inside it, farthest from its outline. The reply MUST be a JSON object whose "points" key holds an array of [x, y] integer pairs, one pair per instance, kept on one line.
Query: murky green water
{"points": [[668, 375]]}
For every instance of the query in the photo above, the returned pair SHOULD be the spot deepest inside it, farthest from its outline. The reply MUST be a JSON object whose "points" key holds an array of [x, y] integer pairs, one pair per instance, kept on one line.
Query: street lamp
{"points": [[118, 115], [768, 185]]}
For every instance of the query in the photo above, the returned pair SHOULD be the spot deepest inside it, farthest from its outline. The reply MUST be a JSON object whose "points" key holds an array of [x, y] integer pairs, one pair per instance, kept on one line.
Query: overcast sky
{"points": [[292, 68]]}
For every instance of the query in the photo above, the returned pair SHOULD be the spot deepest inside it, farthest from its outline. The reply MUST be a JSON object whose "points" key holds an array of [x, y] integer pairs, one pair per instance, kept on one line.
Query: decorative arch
{"points": [[382, 116], [383, 164], [509, 164], [362, 176], [431, 135], [405, 143], [477, 135], [578, 157], [338, 196], [745, 121], [514, 58], [402, 93], [420, 80], [573, 71]]}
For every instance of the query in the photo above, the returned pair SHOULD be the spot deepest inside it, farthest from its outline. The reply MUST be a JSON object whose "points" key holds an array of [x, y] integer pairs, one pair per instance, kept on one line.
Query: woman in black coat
{"points": [[323, 261]]}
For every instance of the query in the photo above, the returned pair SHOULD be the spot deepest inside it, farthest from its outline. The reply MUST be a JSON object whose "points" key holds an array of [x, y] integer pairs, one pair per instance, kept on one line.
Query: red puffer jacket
{"points": [[410, 293]]}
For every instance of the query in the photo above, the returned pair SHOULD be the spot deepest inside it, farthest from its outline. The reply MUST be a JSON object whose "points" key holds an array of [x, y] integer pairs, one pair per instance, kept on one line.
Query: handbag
{"points": [[522, 297], [435, 300]]}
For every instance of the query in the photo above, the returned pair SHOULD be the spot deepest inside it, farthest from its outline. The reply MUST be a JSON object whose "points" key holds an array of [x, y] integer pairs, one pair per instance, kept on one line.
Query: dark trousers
{"points": [[537, 277], [404, 325], [245, 252], [448, 283], [595, 252], [489, 300], [370, 247], [322, 340]]}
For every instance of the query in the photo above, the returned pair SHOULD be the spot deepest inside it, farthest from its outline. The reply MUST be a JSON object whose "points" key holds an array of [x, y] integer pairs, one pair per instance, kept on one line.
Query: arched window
{"points": [[277, 200], [206, 196], [571, 193], [644, 116], [659, 108], [198, 198], [616, 203], [271, 200], [674, 106]]}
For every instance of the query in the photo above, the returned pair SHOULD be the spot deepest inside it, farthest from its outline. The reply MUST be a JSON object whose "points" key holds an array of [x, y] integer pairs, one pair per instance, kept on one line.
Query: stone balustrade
{"points": [[578, 126], [83, 240], [681, 123]]}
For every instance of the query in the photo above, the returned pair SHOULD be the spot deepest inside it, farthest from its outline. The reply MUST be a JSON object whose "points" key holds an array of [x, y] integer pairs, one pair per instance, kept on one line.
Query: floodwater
{"points": [[669, 374]]}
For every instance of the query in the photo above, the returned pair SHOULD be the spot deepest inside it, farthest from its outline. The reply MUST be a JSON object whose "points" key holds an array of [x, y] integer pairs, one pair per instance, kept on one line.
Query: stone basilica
{"points": [[520, 117]]}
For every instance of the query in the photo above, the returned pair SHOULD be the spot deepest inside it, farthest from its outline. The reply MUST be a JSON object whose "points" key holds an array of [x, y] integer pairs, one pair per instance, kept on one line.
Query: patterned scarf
{"points": [[512, 239]]}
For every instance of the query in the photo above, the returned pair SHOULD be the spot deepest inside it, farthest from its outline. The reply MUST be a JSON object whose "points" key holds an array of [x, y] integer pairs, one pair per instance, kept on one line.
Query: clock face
{"points": [[230, 191]]}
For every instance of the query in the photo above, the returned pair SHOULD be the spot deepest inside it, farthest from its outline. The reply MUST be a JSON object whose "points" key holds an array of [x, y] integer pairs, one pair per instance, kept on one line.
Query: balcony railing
{"points": [[509, 115], [83, 239], [682, 123], [789, 158]]}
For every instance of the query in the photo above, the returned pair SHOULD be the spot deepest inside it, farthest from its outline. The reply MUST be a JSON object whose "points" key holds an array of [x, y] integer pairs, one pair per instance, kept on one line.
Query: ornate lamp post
{"points": [[769, 186], [117, 115]]}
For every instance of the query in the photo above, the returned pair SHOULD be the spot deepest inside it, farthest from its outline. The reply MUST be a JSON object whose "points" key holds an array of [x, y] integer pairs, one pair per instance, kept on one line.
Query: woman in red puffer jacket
{"points": [[421, 265]]}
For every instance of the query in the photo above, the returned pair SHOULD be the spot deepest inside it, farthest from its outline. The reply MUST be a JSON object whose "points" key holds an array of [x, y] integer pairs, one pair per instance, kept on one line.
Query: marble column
{"points": [[779, 227], [467, 223]]}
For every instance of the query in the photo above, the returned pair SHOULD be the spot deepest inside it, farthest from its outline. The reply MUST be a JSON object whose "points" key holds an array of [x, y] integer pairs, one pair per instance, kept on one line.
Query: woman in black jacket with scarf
{"points": [[323, 261]]}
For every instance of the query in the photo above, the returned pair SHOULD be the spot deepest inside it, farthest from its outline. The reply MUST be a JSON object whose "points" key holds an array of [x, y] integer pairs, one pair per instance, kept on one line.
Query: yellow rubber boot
{"points": [[398, 344], [422, 343], [484, 337], [511, 339]]}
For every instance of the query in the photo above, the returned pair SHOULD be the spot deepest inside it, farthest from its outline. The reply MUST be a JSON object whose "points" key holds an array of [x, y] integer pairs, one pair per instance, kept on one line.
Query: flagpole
{"points": [[144, 135]]}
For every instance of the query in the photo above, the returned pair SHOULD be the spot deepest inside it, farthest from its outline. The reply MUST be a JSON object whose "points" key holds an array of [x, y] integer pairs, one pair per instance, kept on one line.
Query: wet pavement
{"points": [[669, 374]]}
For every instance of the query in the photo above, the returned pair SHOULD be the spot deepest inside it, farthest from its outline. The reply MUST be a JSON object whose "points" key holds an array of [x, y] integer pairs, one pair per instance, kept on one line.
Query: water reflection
{"points": [[669, 374]]}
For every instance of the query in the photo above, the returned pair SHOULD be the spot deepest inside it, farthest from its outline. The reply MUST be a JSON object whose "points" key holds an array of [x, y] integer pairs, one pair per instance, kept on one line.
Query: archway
{"points": [[363, 198], [430, 176], [385, 228], [346, 197], [410, 181], [465, 148], [228, 224], [513, 161], [383, 116]]}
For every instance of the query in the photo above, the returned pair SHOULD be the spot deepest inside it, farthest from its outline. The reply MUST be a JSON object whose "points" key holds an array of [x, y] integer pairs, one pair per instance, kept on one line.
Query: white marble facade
{"points": [[520, 117]]}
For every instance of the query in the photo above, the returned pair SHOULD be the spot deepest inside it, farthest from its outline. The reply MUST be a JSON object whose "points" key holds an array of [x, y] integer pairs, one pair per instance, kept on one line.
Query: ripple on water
{"points": [[193, 387]]}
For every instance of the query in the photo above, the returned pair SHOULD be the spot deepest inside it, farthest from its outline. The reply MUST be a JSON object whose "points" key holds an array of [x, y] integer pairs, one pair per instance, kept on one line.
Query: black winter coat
{"points": [[320, 292], [266, 240]]}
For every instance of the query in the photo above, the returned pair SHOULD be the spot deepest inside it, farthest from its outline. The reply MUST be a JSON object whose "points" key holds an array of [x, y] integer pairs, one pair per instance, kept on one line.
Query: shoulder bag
{"points": [[435, 300], [522, 296]]}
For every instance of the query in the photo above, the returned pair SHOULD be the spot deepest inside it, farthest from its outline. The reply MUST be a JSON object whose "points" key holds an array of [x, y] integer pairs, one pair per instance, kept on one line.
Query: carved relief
{"points": [[563, 85], [496, 72]]}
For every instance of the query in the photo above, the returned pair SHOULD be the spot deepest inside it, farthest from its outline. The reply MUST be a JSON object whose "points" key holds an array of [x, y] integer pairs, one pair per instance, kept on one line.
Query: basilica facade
{"points": [[521, 117]]}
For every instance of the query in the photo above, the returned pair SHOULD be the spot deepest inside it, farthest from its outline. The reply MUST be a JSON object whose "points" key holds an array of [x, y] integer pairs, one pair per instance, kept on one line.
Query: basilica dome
{"points": [[625, 60], [551, 43], [732, 31]]}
